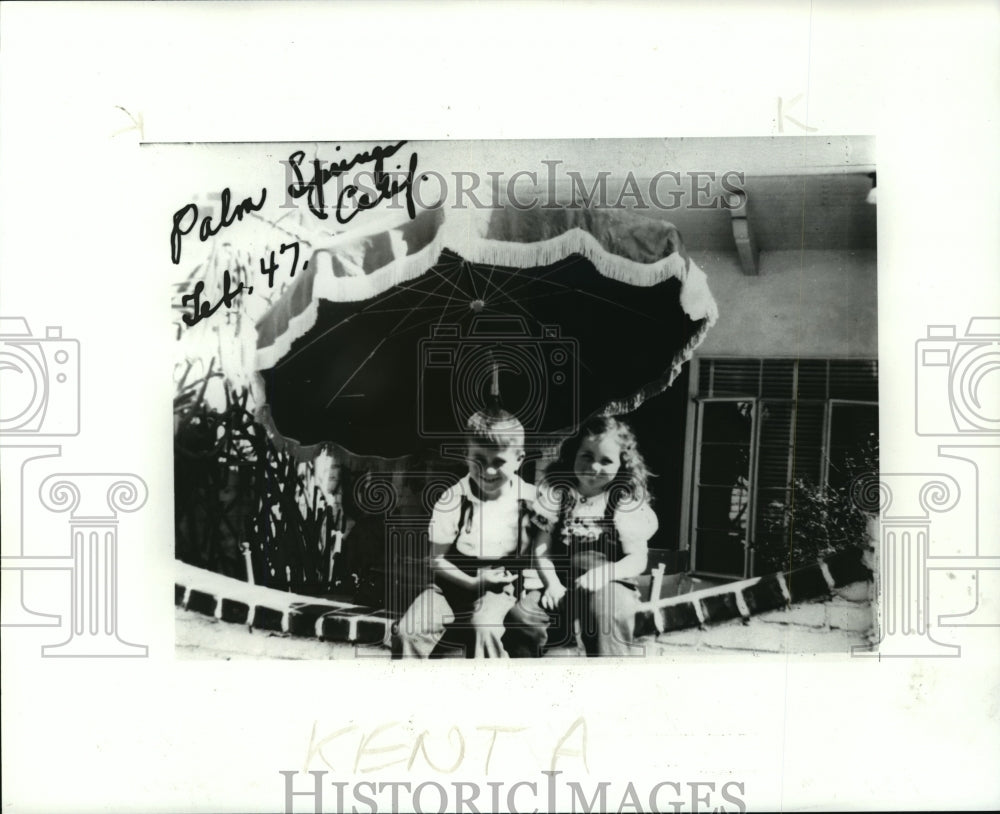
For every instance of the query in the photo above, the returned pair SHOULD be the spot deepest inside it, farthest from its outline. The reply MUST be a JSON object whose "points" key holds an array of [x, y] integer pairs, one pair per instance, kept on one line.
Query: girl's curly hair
{"points": [[633, 477]]}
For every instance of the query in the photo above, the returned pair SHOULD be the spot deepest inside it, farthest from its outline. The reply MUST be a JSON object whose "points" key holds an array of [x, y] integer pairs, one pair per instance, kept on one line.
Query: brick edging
{"points": [[749, 597], [332, 621], [325, 620]]}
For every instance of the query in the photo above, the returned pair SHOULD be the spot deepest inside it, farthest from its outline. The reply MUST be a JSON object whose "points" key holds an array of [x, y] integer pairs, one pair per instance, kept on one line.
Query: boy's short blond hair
{"points": [[495, 427]]}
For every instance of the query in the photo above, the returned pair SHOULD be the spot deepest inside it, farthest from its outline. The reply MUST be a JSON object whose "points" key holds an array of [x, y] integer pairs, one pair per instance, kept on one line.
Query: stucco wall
{"points": [[803, 303]]}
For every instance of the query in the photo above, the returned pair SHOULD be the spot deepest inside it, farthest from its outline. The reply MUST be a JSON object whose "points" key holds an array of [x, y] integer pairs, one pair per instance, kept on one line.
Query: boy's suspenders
{"points": [[523, 551], [466, 511]]}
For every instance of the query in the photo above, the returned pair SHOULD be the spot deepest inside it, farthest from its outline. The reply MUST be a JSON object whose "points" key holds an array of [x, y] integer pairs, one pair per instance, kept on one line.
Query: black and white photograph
{"points": [[527, 399], [496, 407]]}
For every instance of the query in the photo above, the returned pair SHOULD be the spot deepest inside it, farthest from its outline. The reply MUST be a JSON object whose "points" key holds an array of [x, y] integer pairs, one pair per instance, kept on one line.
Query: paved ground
{"points": [[199, 637]]}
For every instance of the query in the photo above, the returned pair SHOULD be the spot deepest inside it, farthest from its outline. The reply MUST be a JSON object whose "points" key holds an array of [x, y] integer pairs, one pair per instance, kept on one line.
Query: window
{"points": [[761, 424]]}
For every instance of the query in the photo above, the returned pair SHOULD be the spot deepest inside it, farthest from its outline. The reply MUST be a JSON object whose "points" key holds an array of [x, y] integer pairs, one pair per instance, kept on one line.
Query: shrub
{"points": [[818, 520], [234, 484]]}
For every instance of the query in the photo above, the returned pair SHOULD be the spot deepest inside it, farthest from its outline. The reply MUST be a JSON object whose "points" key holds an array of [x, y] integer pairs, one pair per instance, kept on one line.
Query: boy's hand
{"points": [[495, 575], [593, 580], [553, 595]]}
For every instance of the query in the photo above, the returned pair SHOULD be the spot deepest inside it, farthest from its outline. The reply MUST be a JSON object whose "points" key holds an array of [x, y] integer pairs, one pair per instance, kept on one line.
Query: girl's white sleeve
{"points": [[636, 523]]}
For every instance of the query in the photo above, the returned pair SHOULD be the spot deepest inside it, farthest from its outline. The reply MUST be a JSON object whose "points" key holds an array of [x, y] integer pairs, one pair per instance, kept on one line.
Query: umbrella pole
{"points": [[495, 387]]}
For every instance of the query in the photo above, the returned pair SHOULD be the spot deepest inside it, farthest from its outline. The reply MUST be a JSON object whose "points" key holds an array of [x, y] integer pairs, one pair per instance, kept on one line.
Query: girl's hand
{"points": [[495, 575], [593, 580], [553, 595]]}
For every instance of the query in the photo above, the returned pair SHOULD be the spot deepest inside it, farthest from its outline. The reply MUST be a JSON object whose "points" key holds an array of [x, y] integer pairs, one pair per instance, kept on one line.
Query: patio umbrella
{"points": [[387, 343]]}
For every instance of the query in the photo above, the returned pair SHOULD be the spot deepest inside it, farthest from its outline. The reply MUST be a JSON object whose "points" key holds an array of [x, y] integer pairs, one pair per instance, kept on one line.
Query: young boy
{"points": [[477, 529]]}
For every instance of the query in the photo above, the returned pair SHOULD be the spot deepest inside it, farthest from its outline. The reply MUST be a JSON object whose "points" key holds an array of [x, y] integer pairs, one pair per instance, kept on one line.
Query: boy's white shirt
{"points": [[495, 528]]}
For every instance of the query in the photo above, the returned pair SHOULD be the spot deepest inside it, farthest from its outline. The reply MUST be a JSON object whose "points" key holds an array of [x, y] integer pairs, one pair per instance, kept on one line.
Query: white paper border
{"points": [[155, 734]]}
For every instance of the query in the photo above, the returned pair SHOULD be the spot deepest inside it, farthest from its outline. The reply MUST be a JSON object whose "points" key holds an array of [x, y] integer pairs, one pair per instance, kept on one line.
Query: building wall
{"points": [[803, 303]]}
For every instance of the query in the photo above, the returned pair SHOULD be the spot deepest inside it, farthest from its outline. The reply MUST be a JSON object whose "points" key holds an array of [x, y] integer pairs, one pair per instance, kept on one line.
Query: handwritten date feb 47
{"points": [[202, 308]]}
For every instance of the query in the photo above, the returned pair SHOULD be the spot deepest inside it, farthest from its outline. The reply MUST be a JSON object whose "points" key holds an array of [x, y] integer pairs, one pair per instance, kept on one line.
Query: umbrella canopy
{"points": [[388, 342]]}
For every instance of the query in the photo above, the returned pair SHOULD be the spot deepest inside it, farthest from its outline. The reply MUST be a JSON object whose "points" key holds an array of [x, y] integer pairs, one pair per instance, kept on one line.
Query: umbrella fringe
{"points": [[353, 288], [298, 325], [682, 357], [575, 241], [696, 298]]}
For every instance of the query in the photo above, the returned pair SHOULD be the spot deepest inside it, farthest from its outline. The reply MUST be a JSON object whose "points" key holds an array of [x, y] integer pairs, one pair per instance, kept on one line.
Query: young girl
{"points": [[594, 522]]}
